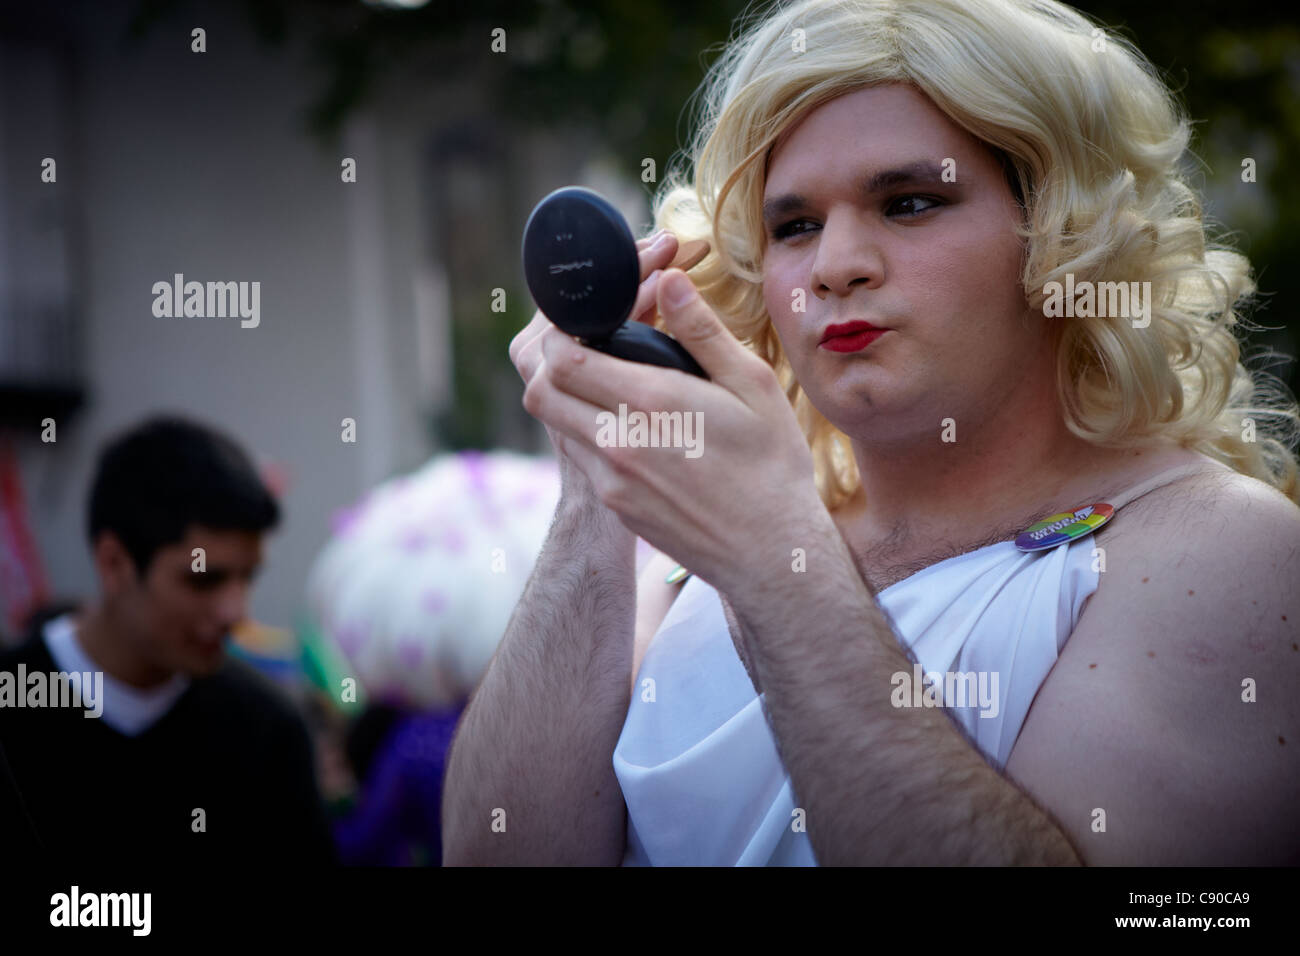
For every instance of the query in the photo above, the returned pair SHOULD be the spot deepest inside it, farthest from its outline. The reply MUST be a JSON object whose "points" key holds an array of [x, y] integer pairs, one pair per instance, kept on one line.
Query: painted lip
{"points": [[848, 328]]}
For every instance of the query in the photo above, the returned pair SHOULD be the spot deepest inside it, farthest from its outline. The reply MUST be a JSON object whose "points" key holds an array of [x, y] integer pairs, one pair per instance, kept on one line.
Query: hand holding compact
{"points": [[656, 253], [582, 268]]}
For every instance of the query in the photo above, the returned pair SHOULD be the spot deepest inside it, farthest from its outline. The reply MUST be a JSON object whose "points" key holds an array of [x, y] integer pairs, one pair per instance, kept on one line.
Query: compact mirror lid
{"points": [[580, 262]]}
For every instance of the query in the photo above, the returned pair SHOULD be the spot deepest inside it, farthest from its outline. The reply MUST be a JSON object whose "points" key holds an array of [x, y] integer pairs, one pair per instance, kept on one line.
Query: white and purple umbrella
{"points": [[419, 582]]}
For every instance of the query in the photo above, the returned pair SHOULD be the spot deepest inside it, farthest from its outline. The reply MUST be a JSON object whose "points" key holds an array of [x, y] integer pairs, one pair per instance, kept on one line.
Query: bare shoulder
{"points": [[1210, 563], [1217, 523], [1166, 731]]}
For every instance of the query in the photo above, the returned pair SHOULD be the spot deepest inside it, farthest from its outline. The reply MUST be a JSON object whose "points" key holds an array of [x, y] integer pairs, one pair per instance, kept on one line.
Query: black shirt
{"points": [[73, 788]]}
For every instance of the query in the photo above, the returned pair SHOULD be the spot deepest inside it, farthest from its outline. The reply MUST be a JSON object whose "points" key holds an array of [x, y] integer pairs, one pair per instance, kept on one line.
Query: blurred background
{"points": [[391, 300]]}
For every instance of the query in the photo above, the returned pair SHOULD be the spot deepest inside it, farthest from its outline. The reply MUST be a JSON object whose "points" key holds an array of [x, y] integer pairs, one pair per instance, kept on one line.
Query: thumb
{"points": [[692, 323]]}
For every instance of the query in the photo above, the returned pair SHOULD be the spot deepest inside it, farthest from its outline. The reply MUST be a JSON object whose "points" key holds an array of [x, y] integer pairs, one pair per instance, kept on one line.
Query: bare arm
{"points": [[1164, 735], [879, 784], [530, 776]]}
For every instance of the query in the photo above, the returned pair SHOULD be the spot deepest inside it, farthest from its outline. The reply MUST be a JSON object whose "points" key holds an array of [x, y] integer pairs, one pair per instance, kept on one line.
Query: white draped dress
{"points": [[698, 764]]}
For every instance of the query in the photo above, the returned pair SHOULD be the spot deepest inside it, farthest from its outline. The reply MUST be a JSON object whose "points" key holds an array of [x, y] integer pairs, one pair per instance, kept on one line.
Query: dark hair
{"points": [[155, 480]]}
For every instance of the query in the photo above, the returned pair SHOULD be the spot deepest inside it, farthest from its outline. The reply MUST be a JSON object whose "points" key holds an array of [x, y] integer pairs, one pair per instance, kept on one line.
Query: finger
{"points": [[532, 355], [657, 254], [697, 327], [573, 417], [687, 257], [643, 309], [602, 381], [526, 360], [654, 258], [526, 335], [521, 346], [519, 352]]}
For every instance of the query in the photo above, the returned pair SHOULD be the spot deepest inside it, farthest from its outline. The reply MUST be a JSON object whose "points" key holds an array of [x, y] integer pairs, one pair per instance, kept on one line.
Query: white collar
{"points": [[127, 709]]}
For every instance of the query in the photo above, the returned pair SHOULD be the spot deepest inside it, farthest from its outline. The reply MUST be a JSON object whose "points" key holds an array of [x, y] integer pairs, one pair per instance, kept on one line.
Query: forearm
{"points": [[534, 751], [878, 783]]}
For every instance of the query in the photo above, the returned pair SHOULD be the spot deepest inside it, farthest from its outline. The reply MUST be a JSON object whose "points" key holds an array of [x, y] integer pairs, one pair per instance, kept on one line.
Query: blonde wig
{"points": [[1091, 139]]}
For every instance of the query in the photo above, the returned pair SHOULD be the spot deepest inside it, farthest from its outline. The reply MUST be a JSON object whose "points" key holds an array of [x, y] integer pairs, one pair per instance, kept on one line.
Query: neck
{"points": [[990, 476], [106, 644]]}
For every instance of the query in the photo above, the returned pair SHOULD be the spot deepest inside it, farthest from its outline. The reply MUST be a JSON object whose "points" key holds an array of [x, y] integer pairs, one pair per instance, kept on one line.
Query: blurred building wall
{"points": [[199, 164]]}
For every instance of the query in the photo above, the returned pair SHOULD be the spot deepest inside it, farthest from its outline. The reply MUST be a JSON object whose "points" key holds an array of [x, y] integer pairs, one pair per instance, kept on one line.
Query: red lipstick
{"points": [[850, 336]]}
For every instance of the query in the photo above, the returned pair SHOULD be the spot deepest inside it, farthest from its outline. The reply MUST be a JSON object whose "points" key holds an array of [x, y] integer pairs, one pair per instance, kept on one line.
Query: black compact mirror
{"points": [[581, 266]]}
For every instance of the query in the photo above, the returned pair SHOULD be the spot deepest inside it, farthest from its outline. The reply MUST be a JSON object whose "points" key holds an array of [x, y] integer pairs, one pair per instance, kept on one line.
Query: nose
{"points": [[848, 257]]}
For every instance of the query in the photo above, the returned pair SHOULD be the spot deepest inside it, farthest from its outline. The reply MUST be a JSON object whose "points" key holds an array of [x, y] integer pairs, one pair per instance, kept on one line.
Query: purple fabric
{"points": [[396, 821]]}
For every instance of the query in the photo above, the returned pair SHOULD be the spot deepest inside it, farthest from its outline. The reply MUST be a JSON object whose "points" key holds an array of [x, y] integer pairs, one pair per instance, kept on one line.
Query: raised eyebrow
{"points": [[911, 174]]}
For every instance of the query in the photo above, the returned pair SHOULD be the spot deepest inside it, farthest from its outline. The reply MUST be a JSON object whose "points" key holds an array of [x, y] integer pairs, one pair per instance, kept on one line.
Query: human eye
{"points": [[897, 205], [788, 229]]}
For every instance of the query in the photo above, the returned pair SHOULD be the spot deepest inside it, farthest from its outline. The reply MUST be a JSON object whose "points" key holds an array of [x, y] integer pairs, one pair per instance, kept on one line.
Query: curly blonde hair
{"points": [[1091, 139]]}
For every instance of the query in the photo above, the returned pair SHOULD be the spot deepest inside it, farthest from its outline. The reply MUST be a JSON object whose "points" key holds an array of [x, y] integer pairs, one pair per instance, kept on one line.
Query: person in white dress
{"points": [[956, 286]]}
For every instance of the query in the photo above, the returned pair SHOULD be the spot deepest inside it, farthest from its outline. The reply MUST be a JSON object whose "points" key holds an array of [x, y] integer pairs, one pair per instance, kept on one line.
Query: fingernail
{"points": [[678, 289], [661, 242]]}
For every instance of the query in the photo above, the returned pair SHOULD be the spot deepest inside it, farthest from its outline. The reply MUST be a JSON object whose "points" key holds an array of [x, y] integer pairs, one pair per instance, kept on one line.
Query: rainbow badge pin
{"points": [[1063, 527]]}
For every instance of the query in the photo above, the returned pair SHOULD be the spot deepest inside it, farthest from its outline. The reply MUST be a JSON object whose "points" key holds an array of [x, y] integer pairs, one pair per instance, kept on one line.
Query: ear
{"points": [[117, 572]]}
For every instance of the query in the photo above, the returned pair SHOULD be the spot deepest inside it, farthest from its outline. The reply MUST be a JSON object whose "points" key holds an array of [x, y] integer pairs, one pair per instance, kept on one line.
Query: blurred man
{"points": [[174, 752]]}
